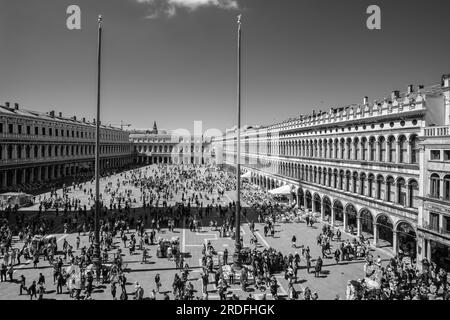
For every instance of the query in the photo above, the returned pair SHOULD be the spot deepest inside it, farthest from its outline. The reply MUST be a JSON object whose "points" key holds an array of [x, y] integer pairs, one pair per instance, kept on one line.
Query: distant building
{"points": [[37, 147], [168, 146]]}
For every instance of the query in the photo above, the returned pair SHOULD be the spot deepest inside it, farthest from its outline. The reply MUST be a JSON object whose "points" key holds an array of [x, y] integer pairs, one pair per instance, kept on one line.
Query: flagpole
{"points": [[96, 253], [238, 244]]}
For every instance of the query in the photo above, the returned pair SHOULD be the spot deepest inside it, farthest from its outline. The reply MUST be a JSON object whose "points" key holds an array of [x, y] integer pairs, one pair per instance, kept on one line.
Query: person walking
{"points": [[113, 290], [294, 240], [32, 290], [22, 285]]}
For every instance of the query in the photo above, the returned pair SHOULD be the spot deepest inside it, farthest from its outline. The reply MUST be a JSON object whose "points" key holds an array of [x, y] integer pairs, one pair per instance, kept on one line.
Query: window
{"points": [[36, 130], [435, 155], [10, 128], [1, 127], [434, 221], [43, 131], [50, 131], [28, 130], [447, 187], [56, 132], [446, 155], [446, 224], [19, 129], [434, 185]]}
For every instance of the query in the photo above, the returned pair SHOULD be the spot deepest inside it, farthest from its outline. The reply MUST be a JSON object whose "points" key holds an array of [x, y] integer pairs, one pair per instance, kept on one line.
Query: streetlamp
{"points": [[96, 253], [237, 253]]}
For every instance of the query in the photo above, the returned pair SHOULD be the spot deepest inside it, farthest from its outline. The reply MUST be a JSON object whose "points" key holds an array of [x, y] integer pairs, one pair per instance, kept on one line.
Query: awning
{"points": [[246, 175], [285, 189]]}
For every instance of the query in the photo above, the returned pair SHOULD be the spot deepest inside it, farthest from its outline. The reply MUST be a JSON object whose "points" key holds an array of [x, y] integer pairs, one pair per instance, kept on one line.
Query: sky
{"points": [[174, 61]]}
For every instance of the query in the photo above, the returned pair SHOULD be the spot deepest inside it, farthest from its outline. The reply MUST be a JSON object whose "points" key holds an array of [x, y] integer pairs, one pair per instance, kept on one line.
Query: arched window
{"points": [[342, 145], [370, 186], [414, 150], [403, 149], [349, 146], [413, 187], [364, 149], [382, 143], [390, 189], [434, 185], [362, 184], [380, 192], [446, 190], [392, 149], [372, 149], [401, 191], [357, 149], [355, 182], [347, 180]]}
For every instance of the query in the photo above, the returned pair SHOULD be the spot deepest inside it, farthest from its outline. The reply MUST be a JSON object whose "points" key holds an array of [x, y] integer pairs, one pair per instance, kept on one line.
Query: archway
{"points": [[317, 203], [366, 221], [308, 200], [338, 211], [385, 228], [351, 213], [327, 208], [406, 239], [300, 197]]}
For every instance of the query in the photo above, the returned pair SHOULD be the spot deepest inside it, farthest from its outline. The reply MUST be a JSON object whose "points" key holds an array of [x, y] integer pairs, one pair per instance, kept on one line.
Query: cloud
{"points": [[169, 7]]}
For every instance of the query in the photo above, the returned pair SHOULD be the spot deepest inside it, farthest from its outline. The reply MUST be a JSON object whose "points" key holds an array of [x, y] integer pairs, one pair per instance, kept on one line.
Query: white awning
{"points": [[285, 189], [246, 175]]}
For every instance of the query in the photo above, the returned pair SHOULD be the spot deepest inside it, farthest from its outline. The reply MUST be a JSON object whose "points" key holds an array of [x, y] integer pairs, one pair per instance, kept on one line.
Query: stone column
{"points": [[322, 212], [428, 249], [375, 234], [397, 152], [345, 221], [395, 242], [332, 216], [31, 175], [358, 226]]}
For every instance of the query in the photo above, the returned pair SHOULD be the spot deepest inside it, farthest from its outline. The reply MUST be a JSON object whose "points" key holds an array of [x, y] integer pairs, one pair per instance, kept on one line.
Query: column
{"points": [[332, 215], [428, 249], [31, 175], [397, 152], [322, 212], [305, 201], [375, 234], [345, 221], [395, 241], [358, 226], [39, 174]]}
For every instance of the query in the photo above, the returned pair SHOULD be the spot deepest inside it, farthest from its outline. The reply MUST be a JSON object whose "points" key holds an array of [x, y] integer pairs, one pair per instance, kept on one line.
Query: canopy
{"points": [[246, 175], [285, 189]]}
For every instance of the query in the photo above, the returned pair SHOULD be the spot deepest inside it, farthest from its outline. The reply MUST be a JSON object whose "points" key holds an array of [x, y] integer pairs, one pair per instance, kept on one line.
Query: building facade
{"points": [[356, 166], [167, 147], [39, 147], [434, 211]]}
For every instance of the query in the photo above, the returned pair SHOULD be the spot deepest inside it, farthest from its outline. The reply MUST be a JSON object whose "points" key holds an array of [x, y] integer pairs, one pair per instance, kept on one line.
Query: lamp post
{"points": [[237, 253], [96, 255]]}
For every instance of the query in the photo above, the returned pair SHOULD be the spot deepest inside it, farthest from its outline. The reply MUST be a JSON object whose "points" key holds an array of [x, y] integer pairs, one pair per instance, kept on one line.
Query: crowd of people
{"points": [[139, 207]]}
